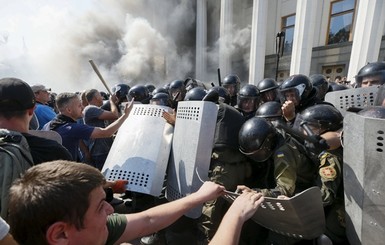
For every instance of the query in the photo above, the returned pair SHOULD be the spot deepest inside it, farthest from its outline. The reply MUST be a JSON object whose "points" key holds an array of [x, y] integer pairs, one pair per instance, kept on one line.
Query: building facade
{"points": [[277, 38]]}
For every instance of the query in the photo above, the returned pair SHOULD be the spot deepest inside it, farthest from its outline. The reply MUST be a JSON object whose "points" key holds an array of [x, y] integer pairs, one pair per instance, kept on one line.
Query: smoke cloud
{"points": [[136, 41]]}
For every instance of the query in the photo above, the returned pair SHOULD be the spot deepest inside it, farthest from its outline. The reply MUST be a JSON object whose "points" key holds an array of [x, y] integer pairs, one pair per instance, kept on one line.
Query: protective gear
{"points": [[150, 87], [177, 86], [196, 93], [371, 69], [140, 93], [336, 87], [373, 111], [319, 81], [232, 83], [257, 139], [320, 118], [159, 90], [268, 89], [161, 99], [270, 109], [224, 95], [121, 91], [248, 98], [296, 87], [104, 95]]}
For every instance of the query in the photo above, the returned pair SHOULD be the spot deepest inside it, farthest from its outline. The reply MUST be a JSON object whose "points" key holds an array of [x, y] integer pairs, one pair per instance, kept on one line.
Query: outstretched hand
{"points": [[169, 117], [210, 191], [246, 204], [128, 107]]}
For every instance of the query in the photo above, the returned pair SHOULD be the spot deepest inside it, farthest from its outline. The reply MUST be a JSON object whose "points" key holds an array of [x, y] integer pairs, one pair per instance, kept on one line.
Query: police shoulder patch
{"points": [[328, 173], [280, 154]]}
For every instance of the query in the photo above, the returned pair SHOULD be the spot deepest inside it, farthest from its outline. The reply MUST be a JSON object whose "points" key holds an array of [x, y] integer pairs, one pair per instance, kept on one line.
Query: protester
{"points": [[43, 111], [17, 104], [70, 107], [64, 202]]}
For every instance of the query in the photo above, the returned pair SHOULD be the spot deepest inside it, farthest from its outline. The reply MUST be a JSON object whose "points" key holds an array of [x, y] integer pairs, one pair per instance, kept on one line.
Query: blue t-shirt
{"points": [[44, 114], [71, 133]]}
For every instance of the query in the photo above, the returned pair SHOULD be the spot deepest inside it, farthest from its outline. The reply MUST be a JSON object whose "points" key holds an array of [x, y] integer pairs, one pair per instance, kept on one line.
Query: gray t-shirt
{"points": [[91, 118]]}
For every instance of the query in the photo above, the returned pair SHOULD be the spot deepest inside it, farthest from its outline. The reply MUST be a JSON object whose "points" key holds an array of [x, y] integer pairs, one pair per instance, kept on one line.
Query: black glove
{"points": [[316, 145]]}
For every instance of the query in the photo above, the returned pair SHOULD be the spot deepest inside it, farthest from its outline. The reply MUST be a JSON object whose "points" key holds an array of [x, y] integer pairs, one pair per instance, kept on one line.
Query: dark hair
{"points": [[48, 193], [63, 99], [90, 94], [11, 114]]}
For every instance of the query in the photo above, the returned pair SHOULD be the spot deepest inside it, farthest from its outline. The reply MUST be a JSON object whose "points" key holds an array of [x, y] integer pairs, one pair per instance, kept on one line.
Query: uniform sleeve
{"points": [[284, 174], [329, 178]]}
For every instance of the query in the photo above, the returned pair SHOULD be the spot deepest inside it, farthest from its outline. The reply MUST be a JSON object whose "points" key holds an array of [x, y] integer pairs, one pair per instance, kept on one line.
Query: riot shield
{"points": [[364, 174], [191, 150], [141, 150], [354, 97], [301, 216]]}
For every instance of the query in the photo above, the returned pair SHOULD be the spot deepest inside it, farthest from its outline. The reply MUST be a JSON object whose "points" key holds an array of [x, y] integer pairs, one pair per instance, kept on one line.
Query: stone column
{"points": [[225, 35], [258, 41], [368, 30], [303, 37], [201, 40]]}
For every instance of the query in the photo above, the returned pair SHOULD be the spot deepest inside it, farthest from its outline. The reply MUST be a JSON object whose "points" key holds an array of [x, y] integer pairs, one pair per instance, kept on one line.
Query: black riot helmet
{"points": [[159, 90], [336, 87], [161, 99], [121, 91], [270, 110], [321, 83], [373, 111], [196, 93], [268, 89], [150, 87], [248, 98], [375, 70], [257, 139], [232, 83], [140, 93], [223, 93], [296, 87], [320, 118], [177, 86]]}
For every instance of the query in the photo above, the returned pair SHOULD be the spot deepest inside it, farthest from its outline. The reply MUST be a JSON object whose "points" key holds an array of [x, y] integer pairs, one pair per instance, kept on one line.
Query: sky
{"points": [[51, 42]]}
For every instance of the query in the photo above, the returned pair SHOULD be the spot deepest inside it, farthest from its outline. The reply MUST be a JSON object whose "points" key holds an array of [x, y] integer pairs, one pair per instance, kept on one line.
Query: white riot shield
{"points": [[141, 150], [355, 97], [301, 216], [191, 150], [364, 174]]}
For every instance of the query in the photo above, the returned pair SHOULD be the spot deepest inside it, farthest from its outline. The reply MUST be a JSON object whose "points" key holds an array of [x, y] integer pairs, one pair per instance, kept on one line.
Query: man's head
{"points": [[59, 202], [371, 74], [94, 97], [42, 93], [296, 88], [70, 105], [16, 97], [232, 83]]}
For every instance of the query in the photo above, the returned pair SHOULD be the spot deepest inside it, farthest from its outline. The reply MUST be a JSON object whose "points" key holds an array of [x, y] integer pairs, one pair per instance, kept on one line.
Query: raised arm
{"points": [[242, 209], [159, 217]]}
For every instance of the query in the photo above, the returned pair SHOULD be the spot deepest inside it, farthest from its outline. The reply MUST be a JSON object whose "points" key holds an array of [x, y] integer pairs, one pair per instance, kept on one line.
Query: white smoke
{"points": [[130, 41]]}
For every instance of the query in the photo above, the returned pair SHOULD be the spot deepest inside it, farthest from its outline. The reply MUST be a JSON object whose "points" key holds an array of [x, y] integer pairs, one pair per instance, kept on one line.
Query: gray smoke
{"points": [[136, 41]]}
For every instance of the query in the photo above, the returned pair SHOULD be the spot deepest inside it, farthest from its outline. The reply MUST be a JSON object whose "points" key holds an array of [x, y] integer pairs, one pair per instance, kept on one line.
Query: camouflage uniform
{"points": [[331, 183]]}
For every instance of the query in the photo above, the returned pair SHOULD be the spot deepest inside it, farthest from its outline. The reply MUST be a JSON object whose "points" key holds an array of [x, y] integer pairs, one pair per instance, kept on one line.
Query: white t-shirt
{"points": [[4, 228]]}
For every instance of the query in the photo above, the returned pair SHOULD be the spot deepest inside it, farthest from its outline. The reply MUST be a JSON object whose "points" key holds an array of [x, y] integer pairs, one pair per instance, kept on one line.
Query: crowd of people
{"points": [[272, 139]]}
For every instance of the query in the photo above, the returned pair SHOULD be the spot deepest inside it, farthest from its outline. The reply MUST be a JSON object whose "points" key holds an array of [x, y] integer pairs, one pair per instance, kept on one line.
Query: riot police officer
{"points": [[232, 83], [317, 120], [248, 100], [140, 94], [268, 89], [371, 74], [319, 81]]}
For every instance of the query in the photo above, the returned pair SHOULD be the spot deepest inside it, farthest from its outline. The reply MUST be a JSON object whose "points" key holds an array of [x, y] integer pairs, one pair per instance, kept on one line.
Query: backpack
{"points": [[15, 159]]}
